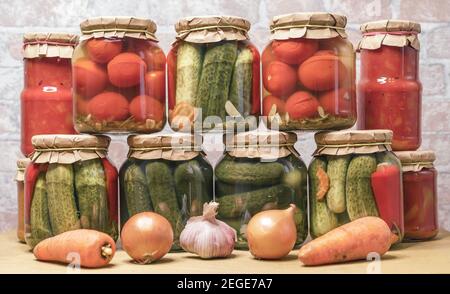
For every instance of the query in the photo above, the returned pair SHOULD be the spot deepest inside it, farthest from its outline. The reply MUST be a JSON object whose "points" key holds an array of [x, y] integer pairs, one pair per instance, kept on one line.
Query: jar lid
{"points": [[390, 32], [118, 27], [416, 160], [49, 45], [261, 144], [310, 25], [170, 147], [21, 166], [211, 29], [353, 141], [67, 149]]}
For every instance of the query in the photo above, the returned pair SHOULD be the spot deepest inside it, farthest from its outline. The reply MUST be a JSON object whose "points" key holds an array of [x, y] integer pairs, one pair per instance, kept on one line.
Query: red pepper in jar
{"points": [[256, 91], [111, 188], [387, 189]]}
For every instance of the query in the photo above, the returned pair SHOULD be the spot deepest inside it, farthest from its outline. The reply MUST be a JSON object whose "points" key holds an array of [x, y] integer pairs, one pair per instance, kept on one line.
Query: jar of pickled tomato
{"points": [[420, 194], [46, 100], [390, 92], [309, 73], [119, 75]]}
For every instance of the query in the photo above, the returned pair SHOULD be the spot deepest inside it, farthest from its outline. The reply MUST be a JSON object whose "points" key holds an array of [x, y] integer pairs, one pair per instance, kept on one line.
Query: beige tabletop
{"points": [[425, 257]]}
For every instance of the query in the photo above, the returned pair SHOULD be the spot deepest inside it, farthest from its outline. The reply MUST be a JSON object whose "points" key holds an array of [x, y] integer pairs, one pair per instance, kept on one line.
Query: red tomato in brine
{"points": [[294, 51], [279, 79]]}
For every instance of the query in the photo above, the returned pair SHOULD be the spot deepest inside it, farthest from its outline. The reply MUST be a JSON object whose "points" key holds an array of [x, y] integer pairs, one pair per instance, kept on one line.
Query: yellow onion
{"points": [[147, 237], [271, 234]]}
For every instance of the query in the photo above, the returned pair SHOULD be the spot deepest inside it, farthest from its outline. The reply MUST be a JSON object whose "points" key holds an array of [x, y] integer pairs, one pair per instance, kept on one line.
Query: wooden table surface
{"points": [[425, 257]]}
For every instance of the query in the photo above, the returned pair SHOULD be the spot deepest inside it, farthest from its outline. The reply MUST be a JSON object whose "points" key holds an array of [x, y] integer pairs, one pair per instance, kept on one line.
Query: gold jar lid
{"points": [[211, 29], [118, 27], [310, 25], [49, 45], [353, 141], [390, 32], [67, 149]]}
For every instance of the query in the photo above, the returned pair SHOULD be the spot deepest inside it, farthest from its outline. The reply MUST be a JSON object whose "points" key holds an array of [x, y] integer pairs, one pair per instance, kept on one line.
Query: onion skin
{"points": [[147, 237], [271, 234]]}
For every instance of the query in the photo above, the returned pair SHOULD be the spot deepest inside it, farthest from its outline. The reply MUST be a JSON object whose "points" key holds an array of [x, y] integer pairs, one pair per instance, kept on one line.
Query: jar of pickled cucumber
{"points": [[119, 77], [213, 75], [260, 171], [70, 184], [20, 176], [420, 194], [354, 174], [309, 73], [46, 98], [169, 175]]}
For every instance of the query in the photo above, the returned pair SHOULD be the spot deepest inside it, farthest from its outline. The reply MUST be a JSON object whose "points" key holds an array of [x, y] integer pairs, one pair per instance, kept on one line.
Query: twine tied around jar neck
{"points": [[274, 29], [398, 33]]}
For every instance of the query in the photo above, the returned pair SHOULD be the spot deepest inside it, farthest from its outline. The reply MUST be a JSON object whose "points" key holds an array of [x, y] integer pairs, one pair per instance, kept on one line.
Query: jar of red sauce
{"points": [[309, 73], [119, 77], [46, 100], [390, 92], [420, 194]]}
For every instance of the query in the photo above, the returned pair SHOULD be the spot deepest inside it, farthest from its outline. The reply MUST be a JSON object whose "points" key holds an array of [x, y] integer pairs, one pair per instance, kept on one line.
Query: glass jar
{"points": [[119, 76], [21, 165], [70, 185], [168, 175], [420, 194], [390, 92], [46, 100], [213, 75], [309, 73], [354, 174], [260, 171]]}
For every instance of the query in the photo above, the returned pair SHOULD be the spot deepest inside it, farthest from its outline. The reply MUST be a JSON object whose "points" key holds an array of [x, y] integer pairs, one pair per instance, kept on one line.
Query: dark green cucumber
{"points": [[235, 205], [223, 189], [215, 78], [192, 187], [137, 196], [337, 173], [39, 217], [359, 194], [241, 82], [252, 173], [161, 186], [322, 219], [61, 198], [90, 187]]}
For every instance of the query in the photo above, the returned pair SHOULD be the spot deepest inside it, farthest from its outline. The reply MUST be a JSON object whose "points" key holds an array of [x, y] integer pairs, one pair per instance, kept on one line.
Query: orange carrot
{"points": [[95, 249], [351, 241]]}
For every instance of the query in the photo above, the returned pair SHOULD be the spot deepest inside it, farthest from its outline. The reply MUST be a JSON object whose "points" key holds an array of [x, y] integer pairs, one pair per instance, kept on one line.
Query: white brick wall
{"points": [[64, 15]]}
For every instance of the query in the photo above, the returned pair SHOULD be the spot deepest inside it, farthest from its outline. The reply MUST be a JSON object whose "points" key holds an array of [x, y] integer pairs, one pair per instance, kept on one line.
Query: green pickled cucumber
{"points": [[359, 195], [223, 189], [235, 205], [137, 196], [39, 216], [241, 82], [337, 173], [252, 173], [388, 157], [215, 78], [90, 187], [322, 218], [162, 193], [192, 186], [189, 67], [61, 198]]}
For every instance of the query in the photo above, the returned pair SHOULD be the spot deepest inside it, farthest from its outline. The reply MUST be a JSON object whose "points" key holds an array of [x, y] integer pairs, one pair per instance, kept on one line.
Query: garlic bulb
{"points": [[206, 236]]}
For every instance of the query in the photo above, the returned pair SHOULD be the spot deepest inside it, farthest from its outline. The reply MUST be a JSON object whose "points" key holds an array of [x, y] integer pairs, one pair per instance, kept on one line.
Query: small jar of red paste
{"points": [[46, 100], [390, 92], [420, 194]]}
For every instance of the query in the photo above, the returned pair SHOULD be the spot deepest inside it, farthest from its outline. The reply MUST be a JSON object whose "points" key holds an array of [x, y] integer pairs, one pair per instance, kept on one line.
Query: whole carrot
{"points": [[351, 241], [96, 249]]}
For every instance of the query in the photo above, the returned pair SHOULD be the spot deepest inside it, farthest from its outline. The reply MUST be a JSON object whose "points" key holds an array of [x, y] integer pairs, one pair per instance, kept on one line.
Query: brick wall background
{"points": [[22, 16]]}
